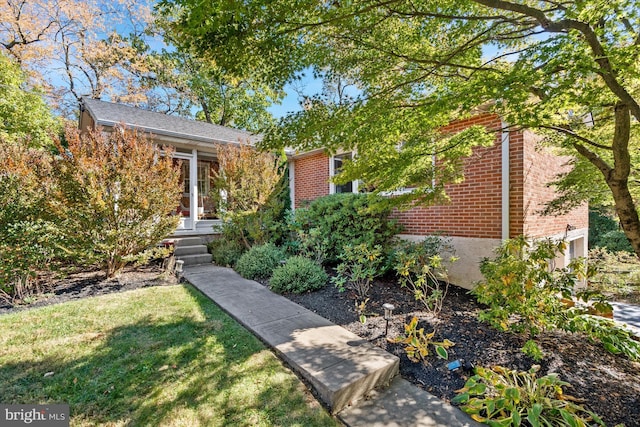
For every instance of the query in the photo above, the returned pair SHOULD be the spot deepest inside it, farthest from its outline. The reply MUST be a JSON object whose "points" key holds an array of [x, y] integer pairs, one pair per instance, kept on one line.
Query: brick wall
{"points": [[475, 207], [539, 166], [311, 178]]}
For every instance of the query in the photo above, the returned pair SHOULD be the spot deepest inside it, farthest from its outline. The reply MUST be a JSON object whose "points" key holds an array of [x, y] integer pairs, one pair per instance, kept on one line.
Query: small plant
{"points": [[532, 349], [361, 309], [360, 265], [259, 262], [417, 343], [614, 338], [148, 255], [502, 397], [298, 275], [312, 244], [226, 252], [420, 268]]}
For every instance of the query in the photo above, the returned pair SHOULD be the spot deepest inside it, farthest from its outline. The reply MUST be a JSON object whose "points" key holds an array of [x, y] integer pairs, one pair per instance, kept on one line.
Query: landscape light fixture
{"points": [[388, 311], [179, 264]]}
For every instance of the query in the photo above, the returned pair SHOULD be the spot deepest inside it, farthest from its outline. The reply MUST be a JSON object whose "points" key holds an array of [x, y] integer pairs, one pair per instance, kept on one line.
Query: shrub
{"points": [[226, 252], [500, 396], [524, 294], [420, 268], [29, 241], [115, 195], [340, 219], [360, 265], [298, 275], [252, 190], [520, 288], [259, 261], [615, 241]]}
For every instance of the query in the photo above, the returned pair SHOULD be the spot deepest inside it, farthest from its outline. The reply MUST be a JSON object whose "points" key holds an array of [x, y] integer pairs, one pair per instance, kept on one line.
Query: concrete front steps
{"points": [[356, 380], [191, 250]]}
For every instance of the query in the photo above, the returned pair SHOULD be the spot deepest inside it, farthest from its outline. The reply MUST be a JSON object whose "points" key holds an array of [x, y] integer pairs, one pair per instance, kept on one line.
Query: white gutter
{"points": [[292, 184], [505, 181]]}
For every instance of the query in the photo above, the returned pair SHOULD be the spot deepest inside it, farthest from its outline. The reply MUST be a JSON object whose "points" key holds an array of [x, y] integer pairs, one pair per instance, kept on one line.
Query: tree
{"points": [[116, 195], [77, 47], [244, 185], [567, 70], [24, 116]]}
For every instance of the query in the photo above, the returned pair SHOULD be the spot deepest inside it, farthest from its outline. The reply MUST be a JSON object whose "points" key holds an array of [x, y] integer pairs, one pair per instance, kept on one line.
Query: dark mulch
{"points": [[92, 283], [609, 384]]}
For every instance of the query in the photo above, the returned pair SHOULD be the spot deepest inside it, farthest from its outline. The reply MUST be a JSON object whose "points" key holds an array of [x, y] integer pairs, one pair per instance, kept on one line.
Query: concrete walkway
{"points": [[627, 314], [343, 369]]}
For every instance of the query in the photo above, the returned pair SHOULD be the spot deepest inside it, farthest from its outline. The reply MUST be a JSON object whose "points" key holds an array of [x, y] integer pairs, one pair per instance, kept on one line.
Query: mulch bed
{"points": [[609, 384], [92, 283]]}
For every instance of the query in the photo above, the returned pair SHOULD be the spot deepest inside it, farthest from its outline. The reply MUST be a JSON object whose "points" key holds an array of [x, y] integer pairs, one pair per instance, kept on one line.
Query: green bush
{"points": [[226, 252], [329, 223], [298, 275], [360, 265], [605, 232], [502, 397], [520, 288], [259, 261], [615, 241]]}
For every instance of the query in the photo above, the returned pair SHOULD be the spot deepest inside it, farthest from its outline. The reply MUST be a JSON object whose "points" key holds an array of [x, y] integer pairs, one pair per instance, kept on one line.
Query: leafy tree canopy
{"points": [[24, 116], [567, 70]]}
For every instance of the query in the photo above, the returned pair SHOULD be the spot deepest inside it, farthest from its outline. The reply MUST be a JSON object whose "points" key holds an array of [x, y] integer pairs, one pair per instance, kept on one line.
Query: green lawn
{"points": [[154, 356]]}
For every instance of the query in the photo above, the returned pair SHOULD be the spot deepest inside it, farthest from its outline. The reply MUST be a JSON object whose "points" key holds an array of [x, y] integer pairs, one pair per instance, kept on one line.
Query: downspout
{"points": [[505, 181], [292, 184]]}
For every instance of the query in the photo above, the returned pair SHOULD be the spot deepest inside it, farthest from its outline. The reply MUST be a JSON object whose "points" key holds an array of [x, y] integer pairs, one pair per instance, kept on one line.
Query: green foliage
{"points": [[521, 289], [417, 343], [615, 241], [605, 232], [259, 261], [24, 116], [251, 190], [145, 257], [115, 195], [329, 223], [502, 397], [417, 66], [532, 350], [226, 252], [298, 275], [614, 338], [420, 268], [30, 242], [525, 294], [359, 265]]}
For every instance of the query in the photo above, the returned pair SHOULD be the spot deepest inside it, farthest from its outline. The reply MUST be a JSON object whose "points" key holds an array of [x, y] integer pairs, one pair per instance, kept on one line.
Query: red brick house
{"points": [[505, 188]]}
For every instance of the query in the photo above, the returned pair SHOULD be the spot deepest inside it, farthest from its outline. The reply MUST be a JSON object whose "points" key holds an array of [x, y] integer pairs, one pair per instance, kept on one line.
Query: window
{"points": [[335, 166], [204, 179]]}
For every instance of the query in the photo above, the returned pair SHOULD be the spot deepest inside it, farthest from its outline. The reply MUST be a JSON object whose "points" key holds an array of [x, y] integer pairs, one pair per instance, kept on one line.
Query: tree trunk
{"points": [[627, 212]]}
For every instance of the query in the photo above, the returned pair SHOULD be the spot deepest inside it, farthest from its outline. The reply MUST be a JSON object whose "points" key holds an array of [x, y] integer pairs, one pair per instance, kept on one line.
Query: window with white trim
{"points": [[335, 166]]}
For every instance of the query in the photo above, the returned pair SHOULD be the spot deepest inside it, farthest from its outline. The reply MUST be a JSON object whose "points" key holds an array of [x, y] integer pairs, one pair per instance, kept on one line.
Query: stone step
{"points": [[341, 367], [403, 404], [188, 241], [190, 250], [195, 259]]}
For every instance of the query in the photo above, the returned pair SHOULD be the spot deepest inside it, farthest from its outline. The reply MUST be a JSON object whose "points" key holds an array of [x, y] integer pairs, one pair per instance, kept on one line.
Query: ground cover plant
{"points": [[154, 356]]}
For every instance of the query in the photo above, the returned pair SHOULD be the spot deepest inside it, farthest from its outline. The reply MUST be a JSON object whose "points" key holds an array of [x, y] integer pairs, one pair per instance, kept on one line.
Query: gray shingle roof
{"points": [[110, 114]]}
